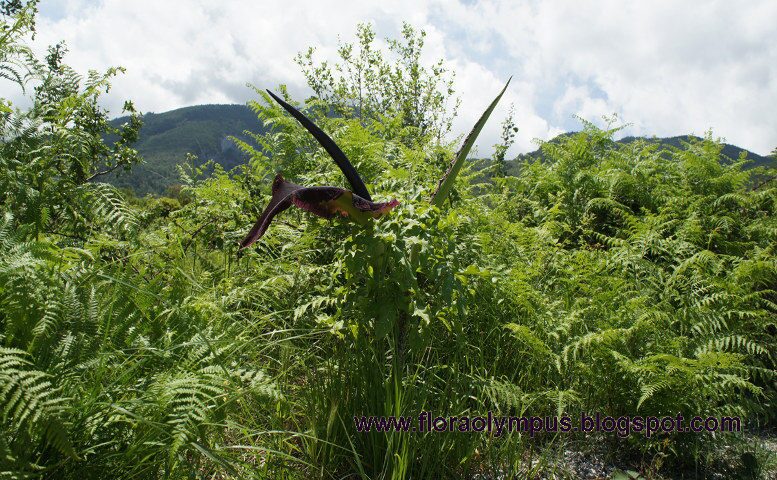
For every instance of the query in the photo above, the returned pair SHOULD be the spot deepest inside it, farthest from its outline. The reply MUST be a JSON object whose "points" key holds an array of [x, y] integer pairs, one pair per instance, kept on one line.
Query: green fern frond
{"points": [[30, 402]]}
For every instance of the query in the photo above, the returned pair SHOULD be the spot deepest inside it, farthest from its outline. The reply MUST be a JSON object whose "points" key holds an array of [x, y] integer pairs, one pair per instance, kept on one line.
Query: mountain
{"points": [[204, 130], [730, 151], [166, 138]]}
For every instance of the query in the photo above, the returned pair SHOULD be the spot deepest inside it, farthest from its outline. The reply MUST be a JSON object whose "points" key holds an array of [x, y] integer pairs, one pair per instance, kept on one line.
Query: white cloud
{"points": [[665, 67], [669, 68]]}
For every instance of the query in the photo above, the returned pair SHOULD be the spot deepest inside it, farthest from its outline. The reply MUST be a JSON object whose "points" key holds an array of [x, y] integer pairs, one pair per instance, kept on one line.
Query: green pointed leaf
{"points": [[446, 182]]}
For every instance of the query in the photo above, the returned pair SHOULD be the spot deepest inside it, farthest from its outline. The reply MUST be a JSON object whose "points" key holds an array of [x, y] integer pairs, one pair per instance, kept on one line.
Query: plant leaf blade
{"points": [[330, 146], [446, 182]]}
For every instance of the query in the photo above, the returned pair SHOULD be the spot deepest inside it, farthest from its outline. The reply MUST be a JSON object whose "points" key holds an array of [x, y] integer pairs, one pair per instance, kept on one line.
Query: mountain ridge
{"points": [[204, 131]]}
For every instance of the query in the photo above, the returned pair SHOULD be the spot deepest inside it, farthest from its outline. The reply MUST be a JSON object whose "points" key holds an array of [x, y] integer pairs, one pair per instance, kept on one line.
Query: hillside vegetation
{"points": [[138, 341], [204, 131], [167, 138]]}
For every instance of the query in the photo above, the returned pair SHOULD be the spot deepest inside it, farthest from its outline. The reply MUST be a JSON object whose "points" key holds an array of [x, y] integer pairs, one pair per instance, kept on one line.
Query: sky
{"points": [[664, 68]]}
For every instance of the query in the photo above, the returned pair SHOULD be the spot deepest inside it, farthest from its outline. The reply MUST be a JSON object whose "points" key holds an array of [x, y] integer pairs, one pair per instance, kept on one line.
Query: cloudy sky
{"points": [[665, 67]]}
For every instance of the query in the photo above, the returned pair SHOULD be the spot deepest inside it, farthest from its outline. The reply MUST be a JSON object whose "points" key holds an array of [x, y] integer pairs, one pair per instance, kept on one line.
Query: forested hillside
{"points": [[164, 337], [166, 138]]}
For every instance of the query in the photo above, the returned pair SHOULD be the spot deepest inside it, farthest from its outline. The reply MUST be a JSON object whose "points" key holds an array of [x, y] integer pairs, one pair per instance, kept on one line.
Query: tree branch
{"points": [[104, 172]]}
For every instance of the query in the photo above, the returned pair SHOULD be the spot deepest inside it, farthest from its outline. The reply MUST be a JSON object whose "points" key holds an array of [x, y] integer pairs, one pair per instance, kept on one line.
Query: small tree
{"points": [[508, 139], [52, 153], [374, 86]]}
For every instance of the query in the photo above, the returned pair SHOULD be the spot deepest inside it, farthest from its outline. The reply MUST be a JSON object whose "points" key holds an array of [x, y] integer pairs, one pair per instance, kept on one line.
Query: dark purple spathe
{"points": [[325, 201]]}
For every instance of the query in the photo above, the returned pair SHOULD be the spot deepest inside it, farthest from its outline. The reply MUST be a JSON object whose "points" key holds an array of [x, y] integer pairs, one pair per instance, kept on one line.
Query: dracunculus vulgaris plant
{"points": [[383, 312], [355, 204]]}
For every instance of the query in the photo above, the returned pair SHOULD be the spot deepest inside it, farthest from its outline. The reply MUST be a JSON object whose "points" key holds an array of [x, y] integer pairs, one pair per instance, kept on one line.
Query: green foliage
{"points": [[135, 342], [392, 88], [51, 155], [509, 130], [608, 278]]}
